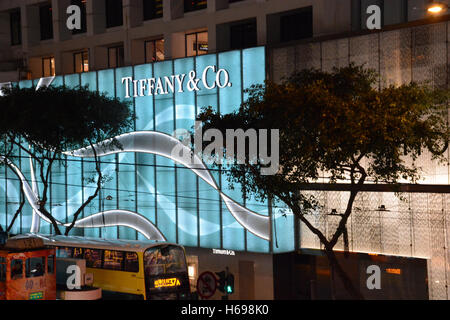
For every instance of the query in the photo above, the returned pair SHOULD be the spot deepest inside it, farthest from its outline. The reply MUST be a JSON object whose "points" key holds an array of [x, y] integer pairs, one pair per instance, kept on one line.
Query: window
{"points": [[113, 260], [114, 13], [297, 26], [48, 67], [64, 252], [2, 269], [16, 269], [81, 62], [93, 258], [46, 21], [51, 264], [78, 253], [35, 267], [16, 28], [153, 9], [196, 43], [243, 35], [115, 57], [192, 5], [154, 50], [131, 262], [82, 5]]}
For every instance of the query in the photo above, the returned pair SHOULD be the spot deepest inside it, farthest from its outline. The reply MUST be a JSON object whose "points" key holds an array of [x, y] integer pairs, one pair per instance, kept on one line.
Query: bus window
{"points": [[2, 269], [16, 269], [64, 252], [93, 258], [131, 262], [78, 253], [34, 267], [168, 259], [50, 264], [113, 260]]}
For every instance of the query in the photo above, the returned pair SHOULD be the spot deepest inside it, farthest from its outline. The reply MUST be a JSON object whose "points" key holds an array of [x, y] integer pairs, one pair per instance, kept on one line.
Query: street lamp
{"points": [[436, 7]]}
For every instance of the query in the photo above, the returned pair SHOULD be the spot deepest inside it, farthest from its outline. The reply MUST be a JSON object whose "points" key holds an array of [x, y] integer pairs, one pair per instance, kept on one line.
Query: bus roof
{"points": [[96, 243]]}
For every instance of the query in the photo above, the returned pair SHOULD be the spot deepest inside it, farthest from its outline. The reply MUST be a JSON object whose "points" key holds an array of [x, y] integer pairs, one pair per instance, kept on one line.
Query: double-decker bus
{"points": [[128, 269], [27, 270]]}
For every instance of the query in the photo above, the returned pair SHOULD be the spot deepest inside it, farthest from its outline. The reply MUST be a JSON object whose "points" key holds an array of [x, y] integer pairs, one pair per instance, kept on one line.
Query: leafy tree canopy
{"points": [[339, 123], [60, 118]]}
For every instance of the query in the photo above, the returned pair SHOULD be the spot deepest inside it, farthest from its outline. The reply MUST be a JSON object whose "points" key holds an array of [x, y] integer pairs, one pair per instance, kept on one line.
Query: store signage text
{"points": [[224, 252], [176, 83]]}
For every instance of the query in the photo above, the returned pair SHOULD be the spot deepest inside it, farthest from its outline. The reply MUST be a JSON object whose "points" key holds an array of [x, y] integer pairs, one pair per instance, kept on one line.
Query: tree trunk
{"points": [[335, 266]]}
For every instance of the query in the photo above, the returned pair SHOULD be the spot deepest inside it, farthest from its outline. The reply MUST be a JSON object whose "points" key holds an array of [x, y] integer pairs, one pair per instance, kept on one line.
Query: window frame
{"points": [[155, 53], [50, 58], [82, 61], [196, 41], [116, 56]]}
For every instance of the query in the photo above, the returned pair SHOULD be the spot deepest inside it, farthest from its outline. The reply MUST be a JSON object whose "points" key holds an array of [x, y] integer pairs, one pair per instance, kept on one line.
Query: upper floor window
{"points": [[81, 62], [243, 35], [296, 26], [192, 5], [114, 13], [48, 67], [82, 5], [196, 43], [154, 50], [153, 9], [16, 27], [46, 21], [115, 57]]}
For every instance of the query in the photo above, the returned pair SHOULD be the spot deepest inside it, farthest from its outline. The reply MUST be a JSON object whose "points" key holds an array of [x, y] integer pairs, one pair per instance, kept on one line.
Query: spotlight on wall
{"points": [[436, 7]]}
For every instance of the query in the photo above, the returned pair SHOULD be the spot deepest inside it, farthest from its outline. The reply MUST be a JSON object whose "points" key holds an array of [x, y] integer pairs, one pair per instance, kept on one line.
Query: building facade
{"points": [[251, 41]]}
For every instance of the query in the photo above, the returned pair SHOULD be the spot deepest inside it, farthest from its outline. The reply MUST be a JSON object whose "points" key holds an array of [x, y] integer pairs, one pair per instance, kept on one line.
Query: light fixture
{"points": [[382, 208], [436, 7]]}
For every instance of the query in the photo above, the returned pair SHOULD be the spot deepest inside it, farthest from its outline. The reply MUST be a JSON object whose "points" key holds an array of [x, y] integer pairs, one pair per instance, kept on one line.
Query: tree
{"points": [[340, 125], [44, 123]]}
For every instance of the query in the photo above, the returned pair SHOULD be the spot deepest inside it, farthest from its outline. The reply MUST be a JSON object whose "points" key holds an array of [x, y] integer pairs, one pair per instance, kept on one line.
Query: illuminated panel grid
{"points": [[185, 209]]}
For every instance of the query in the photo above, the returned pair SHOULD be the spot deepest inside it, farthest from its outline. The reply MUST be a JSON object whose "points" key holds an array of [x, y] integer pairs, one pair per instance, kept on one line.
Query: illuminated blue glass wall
{"points": [[184, 208]]}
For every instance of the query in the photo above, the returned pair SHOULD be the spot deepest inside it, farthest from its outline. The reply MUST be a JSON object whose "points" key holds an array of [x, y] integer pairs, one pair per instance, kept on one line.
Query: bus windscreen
{"points": [[166, 272]]}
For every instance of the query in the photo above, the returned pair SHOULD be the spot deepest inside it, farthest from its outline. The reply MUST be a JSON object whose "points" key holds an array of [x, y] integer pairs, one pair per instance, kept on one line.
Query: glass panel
{"points": [[113, 260], [191, 41], [153, 9], [78, 60], [114, 13], [34, 267], [64, 252], [112, 57], [16, 269], [93, 258], [78, 253], [85, 61], [16, 28], [2, 272], [51, 264], [202, 43], [131, 262]]}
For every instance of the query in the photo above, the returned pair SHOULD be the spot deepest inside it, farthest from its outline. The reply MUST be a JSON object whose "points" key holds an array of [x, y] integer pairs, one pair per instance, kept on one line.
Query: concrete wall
{"points": [[330, 17]]}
